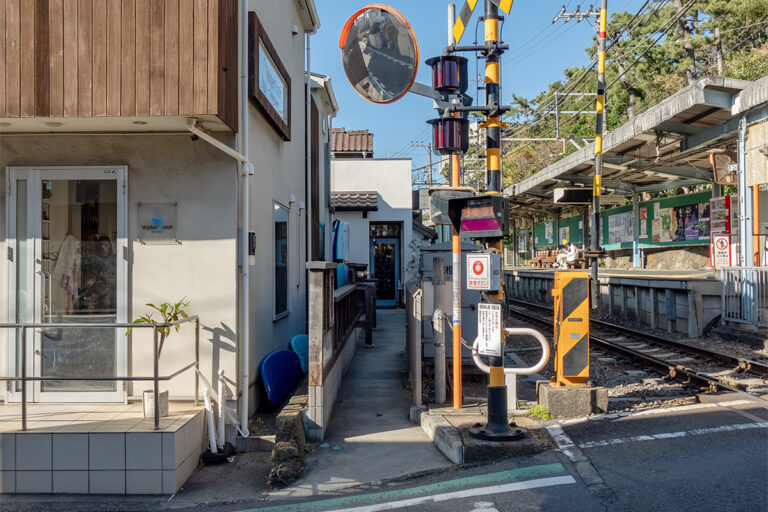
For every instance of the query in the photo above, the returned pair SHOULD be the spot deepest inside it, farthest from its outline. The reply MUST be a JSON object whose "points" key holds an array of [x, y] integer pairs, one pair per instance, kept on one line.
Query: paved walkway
{"points": [[370, 422]]}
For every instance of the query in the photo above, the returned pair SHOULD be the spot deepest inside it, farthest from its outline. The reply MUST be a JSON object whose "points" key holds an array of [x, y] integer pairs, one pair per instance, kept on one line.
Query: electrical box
{"points": [[571, 294], [484, 271], [480, 216]]}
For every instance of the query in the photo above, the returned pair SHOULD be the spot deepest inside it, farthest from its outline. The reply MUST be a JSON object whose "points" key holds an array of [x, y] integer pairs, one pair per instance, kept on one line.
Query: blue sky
{"points": [[539, 51]]}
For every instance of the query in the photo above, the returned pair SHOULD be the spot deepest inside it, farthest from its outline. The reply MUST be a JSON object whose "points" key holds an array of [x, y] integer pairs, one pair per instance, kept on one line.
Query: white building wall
{"points": [[391, 178], [202, 268], [279, 177]]}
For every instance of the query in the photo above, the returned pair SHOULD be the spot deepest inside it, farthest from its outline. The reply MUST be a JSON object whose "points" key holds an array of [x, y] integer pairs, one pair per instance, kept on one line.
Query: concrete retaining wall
{"points": [[675, 305]]}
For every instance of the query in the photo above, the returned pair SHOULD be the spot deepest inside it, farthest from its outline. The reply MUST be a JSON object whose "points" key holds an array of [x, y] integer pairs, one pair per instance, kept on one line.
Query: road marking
{"points": [[653, 412], [466, 493], [484, 506], [500, 477], [671, 435]]}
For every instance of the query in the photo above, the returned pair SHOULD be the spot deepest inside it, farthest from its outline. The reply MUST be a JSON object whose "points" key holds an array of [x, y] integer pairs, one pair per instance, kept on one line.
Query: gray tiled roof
{"points": [[355, 201], [352, 141]]}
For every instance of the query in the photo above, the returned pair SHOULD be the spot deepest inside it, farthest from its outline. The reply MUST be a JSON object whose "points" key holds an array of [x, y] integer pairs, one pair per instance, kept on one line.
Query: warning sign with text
{"points": [[489, 329]]}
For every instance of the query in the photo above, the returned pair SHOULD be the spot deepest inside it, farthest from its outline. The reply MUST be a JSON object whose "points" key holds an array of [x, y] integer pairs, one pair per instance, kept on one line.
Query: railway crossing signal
{"points": [[380, 56], [466, 13]]}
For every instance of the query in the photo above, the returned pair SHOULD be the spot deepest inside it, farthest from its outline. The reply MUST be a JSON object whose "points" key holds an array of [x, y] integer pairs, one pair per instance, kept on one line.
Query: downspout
{"points": [[246, 171], [308, 159]]}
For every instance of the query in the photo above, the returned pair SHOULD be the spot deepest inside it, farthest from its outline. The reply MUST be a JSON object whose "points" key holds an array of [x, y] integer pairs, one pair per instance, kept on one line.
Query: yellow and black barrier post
{"points": [[571, 294]]}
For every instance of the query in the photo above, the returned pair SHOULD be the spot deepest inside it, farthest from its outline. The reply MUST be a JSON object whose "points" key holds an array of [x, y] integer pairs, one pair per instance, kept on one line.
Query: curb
{"points": [[446, 437]]}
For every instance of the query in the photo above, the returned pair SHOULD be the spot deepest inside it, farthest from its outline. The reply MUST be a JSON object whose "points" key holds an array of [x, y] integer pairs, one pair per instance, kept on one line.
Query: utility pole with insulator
{"points": [[600, 106]]}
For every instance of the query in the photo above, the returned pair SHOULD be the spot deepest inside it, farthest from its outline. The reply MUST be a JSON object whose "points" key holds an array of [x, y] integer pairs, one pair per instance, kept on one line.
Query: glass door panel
{"points": [[385, 262], [66, 227], [79, 270]]}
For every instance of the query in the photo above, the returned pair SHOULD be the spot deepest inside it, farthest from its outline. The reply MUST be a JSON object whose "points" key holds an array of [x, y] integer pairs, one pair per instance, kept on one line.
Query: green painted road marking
{"points": [[513, 475]]}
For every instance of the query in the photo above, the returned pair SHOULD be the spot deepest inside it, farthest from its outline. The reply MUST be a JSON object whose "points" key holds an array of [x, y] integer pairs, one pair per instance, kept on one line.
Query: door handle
{"points": [[46, 306]]}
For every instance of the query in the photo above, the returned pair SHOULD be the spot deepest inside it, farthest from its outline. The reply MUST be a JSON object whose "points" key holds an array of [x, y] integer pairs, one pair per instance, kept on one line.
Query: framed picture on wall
{"points": [[269, 85]]}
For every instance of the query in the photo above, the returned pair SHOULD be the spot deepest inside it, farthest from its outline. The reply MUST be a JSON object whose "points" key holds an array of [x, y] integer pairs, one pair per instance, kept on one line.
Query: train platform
{"points": [[704, 274], [687, 302]]}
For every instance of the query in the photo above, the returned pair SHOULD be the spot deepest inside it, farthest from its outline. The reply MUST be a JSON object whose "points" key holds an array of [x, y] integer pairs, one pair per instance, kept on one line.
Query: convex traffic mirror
{"points": [[379, 53]]}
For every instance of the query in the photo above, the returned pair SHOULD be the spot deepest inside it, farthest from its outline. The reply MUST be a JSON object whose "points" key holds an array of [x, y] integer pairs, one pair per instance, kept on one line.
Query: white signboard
{"points": [[157, 223], [489, 329], [721, 251], [478, 271]]}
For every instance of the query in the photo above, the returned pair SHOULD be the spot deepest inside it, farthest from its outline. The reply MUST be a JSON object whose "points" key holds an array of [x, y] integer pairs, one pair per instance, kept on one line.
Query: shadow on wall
{"points": [[222, 339]]}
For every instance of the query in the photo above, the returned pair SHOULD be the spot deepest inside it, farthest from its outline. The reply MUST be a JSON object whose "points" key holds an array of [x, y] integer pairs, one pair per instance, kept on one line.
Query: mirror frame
{"points": [[394, 12]]}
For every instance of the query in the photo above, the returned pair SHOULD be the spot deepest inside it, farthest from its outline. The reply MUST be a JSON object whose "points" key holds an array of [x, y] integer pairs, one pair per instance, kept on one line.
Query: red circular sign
{"points": [[477, 268], [721, 244]]}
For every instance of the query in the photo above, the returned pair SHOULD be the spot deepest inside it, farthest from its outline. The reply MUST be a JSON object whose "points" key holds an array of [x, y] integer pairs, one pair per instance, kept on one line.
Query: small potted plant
{"points": [[169, 313]]}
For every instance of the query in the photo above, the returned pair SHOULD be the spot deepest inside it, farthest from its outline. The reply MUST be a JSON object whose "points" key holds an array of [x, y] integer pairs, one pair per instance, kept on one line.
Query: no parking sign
{"points": [[721, 251]]}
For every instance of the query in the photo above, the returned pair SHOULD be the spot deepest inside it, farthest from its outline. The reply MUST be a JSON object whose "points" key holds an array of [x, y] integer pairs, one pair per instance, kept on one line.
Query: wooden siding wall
{"points": [[90, 58]]}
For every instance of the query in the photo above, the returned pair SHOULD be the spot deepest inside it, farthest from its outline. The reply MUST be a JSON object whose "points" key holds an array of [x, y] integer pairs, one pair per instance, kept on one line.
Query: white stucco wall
{"points": [[202, 268], [391, 178], [280, 172]]}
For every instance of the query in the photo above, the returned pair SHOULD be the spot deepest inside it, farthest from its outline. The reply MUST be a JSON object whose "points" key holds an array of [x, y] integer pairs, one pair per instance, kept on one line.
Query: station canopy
{"points": [[667, 146]]}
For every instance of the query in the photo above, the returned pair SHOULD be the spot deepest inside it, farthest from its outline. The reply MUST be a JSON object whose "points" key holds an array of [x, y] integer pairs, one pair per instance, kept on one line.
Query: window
{"points": [[280, 229], [269, 85], [385, 229]]}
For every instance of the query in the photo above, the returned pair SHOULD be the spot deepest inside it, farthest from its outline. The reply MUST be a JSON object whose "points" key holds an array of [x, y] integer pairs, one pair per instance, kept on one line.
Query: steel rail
{"points": [[746, 364], [674, 371]]}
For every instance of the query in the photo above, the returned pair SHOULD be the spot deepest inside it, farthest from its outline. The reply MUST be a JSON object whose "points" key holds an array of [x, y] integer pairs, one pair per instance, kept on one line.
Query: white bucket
{"points": [[149, 403]]}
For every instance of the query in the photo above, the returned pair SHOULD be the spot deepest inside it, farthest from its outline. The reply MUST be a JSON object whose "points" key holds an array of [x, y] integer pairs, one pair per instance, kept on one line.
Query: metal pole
{"points": [[595, 242], [156, 382], [498, 422], [197, 359], [429, 154], [23, 378], [719, 52], [455, 257]]}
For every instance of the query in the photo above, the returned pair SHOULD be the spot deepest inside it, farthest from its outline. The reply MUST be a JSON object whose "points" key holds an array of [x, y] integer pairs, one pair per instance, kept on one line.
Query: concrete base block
{"points": [[480, 450], [445, 436], [572, 402]]}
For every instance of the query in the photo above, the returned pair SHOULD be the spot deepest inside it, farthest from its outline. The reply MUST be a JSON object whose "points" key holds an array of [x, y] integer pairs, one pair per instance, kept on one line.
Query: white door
{"points": [[66, 265]]}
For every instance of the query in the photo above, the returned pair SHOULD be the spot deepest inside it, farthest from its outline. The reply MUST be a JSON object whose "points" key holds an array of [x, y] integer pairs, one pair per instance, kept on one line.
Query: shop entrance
{"points": [[385, 262], [67, 245]]}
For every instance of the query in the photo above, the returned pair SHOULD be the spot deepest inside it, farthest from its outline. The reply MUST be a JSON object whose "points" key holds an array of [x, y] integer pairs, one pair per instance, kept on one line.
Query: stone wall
{"points": [[685, 258], [680, 258]]}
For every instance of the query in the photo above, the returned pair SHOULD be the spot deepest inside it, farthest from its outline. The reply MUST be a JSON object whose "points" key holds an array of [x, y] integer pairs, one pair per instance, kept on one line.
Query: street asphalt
{"points": [[711, 456]]}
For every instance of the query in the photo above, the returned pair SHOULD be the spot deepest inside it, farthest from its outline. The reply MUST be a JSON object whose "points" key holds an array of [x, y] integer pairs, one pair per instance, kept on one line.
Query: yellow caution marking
{"points": [[492, 29], [462, 20], [596, 186], [491, 72], [571, 294]]}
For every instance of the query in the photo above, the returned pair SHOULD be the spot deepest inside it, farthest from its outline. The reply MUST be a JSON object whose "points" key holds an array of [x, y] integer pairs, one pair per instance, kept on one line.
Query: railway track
{"points": [[667, 356]]}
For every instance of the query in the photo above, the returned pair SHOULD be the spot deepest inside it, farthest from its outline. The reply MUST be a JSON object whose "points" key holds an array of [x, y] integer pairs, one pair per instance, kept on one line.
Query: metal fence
{"points": [[155, 378], [745, 295]]}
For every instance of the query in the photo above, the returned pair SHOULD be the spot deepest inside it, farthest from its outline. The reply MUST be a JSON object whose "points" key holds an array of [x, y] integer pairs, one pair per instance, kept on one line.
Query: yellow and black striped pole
{"points": [[599, 109], [493, 148], [498, 426]]}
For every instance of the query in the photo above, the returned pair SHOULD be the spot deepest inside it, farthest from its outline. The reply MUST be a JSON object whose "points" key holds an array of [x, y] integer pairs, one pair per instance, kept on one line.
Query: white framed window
{"points": [[280, 217]]}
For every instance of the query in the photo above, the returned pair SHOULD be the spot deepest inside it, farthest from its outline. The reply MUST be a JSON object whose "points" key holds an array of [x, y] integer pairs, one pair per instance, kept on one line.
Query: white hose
{"points": [[221, 405], [517, 331], [211, 427]]}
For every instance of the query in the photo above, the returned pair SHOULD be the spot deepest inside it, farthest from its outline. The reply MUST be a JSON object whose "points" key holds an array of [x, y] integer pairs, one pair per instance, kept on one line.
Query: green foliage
{"points": [[169, 313], [655, 62], [539, 412]]}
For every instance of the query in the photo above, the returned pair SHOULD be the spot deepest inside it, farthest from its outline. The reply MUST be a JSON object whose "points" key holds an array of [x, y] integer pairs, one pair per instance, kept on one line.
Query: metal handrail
{"points": [[156, 377]]}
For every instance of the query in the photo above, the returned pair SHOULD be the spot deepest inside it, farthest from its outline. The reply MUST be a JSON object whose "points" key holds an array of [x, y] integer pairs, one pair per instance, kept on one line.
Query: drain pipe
{"points": [[245, 170]]}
